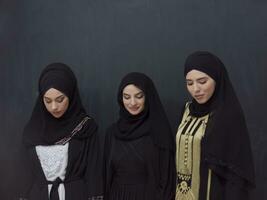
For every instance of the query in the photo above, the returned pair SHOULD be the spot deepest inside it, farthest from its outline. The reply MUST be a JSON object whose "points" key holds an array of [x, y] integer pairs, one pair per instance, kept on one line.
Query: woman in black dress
{"points": [[60, 143], [213, 153], [139, 150]]}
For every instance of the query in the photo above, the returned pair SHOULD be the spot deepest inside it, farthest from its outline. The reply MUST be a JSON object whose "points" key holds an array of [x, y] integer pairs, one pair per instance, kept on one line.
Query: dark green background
{"points": [[104, 39]]}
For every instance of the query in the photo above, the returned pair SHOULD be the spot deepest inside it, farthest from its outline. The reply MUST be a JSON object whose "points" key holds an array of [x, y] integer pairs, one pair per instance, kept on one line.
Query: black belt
{"points": [[54, 190]]}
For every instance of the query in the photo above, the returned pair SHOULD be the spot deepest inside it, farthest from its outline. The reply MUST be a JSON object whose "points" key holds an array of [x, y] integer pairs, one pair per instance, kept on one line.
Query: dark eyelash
{"points": [[126, 97], [60, 100]]}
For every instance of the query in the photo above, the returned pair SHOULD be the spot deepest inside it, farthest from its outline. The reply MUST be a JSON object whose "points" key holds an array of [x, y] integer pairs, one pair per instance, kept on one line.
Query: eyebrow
{"points": [[141, 92], [56, 97], [201, 78]]}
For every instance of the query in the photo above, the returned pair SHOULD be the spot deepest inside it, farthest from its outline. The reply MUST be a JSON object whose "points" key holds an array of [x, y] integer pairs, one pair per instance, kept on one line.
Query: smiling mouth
{"points": [[134, 109]]}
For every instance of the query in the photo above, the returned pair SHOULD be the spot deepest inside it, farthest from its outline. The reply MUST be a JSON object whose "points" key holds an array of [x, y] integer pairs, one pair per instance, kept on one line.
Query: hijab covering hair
{"points": [[43, 128], [226, 144], [151, 121]]}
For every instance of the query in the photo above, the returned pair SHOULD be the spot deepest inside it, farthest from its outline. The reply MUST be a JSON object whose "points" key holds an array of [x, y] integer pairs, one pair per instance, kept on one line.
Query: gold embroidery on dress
{"points": [[188, 140], [184, 192], [209, 183]]}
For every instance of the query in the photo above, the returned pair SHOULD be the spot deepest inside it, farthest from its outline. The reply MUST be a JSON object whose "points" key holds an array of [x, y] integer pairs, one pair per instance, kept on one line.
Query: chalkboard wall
{"points": [[102, 40]]}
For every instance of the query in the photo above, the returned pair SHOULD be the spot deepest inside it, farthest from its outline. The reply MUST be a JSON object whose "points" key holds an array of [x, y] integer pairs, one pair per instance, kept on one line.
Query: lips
{"points": [[56, 113], [199, 96], [134, 108]]}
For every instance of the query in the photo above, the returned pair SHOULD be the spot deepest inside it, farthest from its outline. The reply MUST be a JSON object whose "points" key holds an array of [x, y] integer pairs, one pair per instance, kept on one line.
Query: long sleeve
{"points": [[234, 192], [167, 175], [24, 174], [93, 176], [107, 170], [221, 189]]}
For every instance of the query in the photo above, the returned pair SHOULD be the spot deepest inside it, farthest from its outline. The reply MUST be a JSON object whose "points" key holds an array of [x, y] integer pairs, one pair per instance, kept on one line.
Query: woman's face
{"points": [[133, 99], [55, 102], [200, 85]]}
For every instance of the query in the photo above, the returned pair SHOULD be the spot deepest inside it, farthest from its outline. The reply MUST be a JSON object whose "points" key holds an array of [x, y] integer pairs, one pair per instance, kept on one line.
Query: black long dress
{"points": [[137, 170], [83, 173], [139, 151]]}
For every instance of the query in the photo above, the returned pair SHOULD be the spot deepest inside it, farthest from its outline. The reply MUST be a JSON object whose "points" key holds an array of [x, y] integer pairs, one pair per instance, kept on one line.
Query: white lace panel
{"points": [[53, 160]]}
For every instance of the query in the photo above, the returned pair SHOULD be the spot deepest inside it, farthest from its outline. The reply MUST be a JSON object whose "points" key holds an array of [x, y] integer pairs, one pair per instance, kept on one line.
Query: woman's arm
{"points": [[167, 174], [24, 175], [107, 168], [93, 174]]}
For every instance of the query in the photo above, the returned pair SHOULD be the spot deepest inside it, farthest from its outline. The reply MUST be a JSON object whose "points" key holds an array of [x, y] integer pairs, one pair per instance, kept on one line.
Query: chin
{"points": [[201, 101], [57, 116], [134, 113]]}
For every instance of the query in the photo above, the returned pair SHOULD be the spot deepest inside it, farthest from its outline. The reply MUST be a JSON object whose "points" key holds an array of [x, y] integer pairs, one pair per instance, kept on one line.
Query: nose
{"points": [[132, 102], [54, 106], [196, 88]]}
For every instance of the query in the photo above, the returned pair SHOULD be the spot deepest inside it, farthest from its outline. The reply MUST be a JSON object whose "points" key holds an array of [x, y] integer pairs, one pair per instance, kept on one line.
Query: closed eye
{"points": [[202, 80], [140, 95], [60, 99], [47, 100], [126, 96], [189, 82]]}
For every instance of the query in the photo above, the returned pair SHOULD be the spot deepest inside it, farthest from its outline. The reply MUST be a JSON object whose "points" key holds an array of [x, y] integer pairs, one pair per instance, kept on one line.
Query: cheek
{"points": [[125, 102], [64, 105], [47, 106], [210, 90], [142, 103], [189, 89]]}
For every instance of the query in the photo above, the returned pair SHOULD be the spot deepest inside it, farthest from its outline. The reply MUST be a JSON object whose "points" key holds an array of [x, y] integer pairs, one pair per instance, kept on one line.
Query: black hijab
{"points": [[151, 121], [43, 128], [226, 144]]}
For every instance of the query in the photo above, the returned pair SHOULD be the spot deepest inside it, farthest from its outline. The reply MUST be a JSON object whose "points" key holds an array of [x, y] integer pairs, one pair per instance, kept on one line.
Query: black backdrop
{"points": [[104, 39]]}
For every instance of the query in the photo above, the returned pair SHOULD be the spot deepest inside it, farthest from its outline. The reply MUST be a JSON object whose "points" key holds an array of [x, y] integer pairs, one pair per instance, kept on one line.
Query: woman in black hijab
{"points": [[60, 142], [213, 153], [139, 150]]}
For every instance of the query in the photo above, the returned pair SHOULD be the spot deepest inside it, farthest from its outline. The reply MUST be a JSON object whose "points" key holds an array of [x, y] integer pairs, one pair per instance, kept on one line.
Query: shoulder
{"points": [[87, 129], [91, 122], [187, 104], [90, 125], [184, 110]]}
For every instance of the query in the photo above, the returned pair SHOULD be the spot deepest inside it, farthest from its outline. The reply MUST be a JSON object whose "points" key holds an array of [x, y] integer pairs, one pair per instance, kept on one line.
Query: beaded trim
{"points": [[64, 140]]}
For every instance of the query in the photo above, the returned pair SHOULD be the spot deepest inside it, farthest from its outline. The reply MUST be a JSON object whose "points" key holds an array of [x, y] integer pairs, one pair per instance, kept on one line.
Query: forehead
{"points": [[196, 74], [53, 93], [131, 89]]}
